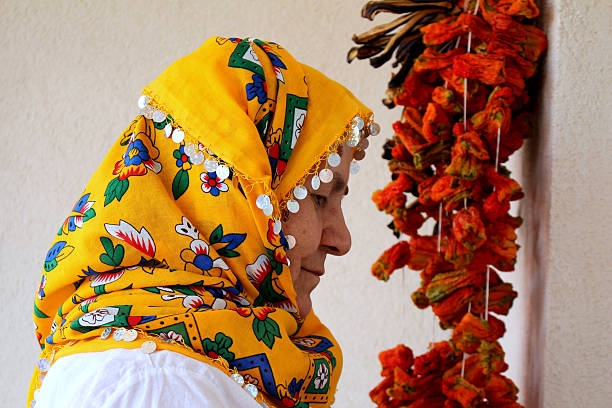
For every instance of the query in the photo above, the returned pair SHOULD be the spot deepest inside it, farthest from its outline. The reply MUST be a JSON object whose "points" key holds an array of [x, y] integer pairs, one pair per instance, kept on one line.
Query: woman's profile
{"points": [[183, 273]]}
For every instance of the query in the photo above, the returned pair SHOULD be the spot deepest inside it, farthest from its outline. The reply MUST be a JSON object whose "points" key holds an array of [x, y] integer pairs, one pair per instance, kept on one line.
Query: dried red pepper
{"points": [[464, 113], [393, 258]]}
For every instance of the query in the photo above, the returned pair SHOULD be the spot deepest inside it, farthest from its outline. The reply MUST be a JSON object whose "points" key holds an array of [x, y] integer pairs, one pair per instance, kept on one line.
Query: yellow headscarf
{"points": [[177, 238]]}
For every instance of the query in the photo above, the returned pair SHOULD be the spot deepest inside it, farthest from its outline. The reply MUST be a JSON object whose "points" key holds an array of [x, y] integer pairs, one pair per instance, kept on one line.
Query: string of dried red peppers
{"points": [[453, 170]]}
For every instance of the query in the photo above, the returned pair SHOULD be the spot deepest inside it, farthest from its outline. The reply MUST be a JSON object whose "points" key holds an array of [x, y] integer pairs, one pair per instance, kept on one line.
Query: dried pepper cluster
{"points": [[464, 113]]}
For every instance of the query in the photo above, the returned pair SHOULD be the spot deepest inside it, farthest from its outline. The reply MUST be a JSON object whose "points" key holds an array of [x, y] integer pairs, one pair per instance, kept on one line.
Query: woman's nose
{"points": [[336, 238]]}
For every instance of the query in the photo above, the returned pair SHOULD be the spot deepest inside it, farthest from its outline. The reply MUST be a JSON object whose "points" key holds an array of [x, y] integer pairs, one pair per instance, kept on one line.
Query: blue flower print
{"points": [[136, 153], [182, 160], [230, 293], [57, 252], [212, 183], [203, 262], [198, 255], [81, 212], [137, 160], [257, 88]]}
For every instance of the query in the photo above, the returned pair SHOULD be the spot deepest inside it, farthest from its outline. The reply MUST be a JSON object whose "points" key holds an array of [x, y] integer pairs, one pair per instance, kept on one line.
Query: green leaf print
{"points": [[115, 190], [216, 235], [113, 255], [266, 331], [39, 313], [180, 183]]}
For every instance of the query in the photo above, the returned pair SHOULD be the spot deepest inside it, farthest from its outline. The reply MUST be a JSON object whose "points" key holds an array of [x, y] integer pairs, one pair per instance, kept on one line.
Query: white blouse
{"points": [[129, 378]]}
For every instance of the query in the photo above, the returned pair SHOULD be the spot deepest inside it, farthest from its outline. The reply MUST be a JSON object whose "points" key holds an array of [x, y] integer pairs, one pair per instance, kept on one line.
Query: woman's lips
{"points": [[315, 272]]}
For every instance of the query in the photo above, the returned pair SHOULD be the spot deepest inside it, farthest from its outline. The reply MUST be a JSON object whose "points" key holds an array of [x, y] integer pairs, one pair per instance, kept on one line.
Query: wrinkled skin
{"points": [[320, 230]]}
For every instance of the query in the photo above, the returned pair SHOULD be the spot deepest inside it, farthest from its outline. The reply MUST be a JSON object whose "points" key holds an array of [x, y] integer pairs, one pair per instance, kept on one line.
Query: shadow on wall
{"points": [[537, 165]]}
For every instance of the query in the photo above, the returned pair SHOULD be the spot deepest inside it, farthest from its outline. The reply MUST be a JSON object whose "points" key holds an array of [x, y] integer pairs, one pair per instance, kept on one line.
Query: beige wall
{"points": [[576, 129], [70, 74]]}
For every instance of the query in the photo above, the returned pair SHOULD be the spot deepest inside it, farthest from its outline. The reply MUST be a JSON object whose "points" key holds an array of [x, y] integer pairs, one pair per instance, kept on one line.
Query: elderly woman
{"points": [[183, 274]]}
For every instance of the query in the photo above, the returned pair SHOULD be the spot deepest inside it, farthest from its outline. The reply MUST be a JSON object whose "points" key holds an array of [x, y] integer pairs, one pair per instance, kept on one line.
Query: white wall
{"points": [[576, 127], [70, 74]]}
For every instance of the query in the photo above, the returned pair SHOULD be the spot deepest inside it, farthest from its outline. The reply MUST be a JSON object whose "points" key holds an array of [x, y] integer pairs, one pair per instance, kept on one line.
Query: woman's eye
{"points": [[319, 199]]}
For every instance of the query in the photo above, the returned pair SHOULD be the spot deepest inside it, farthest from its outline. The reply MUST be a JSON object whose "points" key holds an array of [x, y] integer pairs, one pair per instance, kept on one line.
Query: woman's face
{"points": [[320, 230]]}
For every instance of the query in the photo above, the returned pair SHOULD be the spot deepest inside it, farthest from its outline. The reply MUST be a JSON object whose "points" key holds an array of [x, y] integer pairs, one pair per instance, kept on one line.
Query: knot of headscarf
{"points": [[168, 237]]}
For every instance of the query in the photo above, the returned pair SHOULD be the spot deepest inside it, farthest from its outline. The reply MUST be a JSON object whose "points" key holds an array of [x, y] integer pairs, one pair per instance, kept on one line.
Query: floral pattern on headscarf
{"points": [[178, 251]]}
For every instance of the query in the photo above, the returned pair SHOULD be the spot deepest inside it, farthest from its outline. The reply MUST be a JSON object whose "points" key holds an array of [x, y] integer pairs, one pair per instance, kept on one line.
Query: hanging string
{"points": [[497, 148], [456, 46], [440, 227], [404, 303], [464, 354], [433, 326], [465, 81], [486, 314], [489, 267], [465, 87], [469, 44]]}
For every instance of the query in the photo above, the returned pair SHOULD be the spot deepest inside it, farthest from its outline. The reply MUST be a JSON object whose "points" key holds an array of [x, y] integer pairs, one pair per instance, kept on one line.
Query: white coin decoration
{"points": [[168, 130], [239, 379], [178, 135], [352, 142], [262, 201], [148, 111], [315, 182], [118, 334], [251, 389], [223, 172], [268, 210], [143, 101], [354, 167], [300, 192], [290, 241], [326, 175], [148, 347], [106, 333], [355, 138], [43, 365], [197, 158], [374, 128], [189, 148], [358, 122], [277, 227], [210, 165], [293, 206], [159, 116], [334, 159], [130, 335]]}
